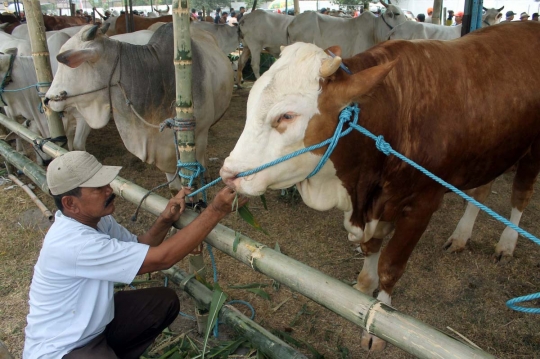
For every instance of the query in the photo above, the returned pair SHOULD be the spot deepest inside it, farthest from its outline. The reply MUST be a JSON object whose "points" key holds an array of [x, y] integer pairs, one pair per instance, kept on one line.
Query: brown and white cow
{"points": [[458, 108]]}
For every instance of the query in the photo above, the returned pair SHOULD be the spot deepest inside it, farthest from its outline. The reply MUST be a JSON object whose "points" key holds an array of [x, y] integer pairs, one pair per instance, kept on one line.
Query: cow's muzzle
{"points": [[60, 97]]}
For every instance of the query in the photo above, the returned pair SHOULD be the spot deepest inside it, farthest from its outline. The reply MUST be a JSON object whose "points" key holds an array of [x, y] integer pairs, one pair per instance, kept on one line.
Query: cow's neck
{"points": [[142, 78]]}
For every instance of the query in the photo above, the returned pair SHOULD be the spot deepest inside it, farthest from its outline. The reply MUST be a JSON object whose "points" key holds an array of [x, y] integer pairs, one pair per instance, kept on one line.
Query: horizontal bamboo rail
{"points": [[266, 342], [401, 330]]}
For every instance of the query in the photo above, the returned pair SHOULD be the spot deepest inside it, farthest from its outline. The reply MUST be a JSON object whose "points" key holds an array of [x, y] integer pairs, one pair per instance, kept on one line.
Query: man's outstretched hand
{"points": [[223, 202]]}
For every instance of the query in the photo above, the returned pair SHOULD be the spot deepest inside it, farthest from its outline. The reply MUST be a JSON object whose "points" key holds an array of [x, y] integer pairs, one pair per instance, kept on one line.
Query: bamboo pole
{"points": [[185, 120], [265, 341], [401, 330], [42, 63], [33, 197], [31, 169]]}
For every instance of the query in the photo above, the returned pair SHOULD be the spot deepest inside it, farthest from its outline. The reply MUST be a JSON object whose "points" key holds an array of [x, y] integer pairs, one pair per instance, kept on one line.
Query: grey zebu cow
{"points": [[413, 30], [226, 36], [352, 35], [26, 103], [144, 75], [260, 30]]}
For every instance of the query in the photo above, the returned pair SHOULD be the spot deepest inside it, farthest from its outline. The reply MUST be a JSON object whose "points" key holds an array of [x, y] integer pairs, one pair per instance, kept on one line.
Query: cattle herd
{"points": [[458, 108]]}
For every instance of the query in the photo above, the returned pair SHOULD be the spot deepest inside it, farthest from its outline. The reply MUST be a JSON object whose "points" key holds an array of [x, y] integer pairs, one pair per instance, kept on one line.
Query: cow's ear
{"points": [[74, 58], [364, 81], [336, 50]]}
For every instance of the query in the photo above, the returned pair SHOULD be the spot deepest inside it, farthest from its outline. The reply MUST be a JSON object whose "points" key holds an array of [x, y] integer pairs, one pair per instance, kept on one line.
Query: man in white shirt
{"points": [[74, 312]]}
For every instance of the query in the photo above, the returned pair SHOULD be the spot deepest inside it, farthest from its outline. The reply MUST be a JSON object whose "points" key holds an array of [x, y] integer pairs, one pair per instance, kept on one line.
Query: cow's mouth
{"points": [[55, 105]]}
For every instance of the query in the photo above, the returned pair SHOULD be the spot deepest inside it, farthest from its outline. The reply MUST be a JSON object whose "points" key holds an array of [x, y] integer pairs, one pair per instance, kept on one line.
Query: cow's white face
{"points": [[84, 67], [279, 109]]}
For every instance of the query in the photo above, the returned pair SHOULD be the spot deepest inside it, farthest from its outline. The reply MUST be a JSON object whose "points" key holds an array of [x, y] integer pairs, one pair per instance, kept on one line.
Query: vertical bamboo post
{"points": [[185, 120], [436, 16], [42, 63]]}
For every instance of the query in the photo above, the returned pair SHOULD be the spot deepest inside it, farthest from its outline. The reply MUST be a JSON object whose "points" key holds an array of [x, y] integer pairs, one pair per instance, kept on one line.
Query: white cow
{"points": [[8, 41], [26, 103], [226, 36], [21, 31], [140, 37], [419, 30], [260, 30], [95, 67], [353, 35]]}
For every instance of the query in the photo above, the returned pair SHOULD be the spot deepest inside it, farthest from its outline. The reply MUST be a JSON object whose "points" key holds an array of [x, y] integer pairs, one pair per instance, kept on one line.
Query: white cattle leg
{"points": [[522, 190], [463, 231], [176, 185], [509, 237]]}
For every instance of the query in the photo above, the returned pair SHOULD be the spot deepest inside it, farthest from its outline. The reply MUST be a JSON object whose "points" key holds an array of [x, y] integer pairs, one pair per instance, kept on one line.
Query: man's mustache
{"points": [[109, 200]]}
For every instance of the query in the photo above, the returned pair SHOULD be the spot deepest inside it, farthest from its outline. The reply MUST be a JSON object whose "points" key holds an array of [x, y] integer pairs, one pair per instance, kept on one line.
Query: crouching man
{"points": [[74, 312]]}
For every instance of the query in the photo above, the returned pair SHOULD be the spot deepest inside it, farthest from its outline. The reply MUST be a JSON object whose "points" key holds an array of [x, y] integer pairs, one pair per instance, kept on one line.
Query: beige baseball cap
{"points": [[78, 169]]}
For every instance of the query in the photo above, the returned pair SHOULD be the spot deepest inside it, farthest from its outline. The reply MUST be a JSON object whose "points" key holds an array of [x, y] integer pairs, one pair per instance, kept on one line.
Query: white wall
{"points": [[517, 6]]}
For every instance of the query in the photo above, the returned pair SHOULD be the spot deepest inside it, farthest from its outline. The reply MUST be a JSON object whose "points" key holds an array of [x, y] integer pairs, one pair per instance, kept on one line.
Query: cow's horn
{"points": [[499, 10], [384, 4], [330, 66], [168, 8], [105, 28], [90, 34]]}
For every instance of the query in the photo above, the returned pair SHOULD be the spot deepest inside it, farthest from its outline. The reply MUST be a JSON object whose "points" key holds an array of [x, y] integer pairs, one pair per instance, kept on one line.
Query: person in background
{"points": [[217, 18], [232, 20], [74, 310], [524, 16], [459, 18], [193, 15], [450, 20], [509, 16], [421, 18], [534, 17], [324, 11], [429, 15], [241, 13], [199, 16], [223, 18], [104, 17]]}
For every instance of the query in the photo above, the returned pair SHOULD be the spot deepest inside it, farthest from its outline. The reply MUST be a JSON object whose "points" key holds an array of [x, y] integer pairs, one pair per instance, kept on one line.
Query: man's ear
{"points": [[70, 204]]}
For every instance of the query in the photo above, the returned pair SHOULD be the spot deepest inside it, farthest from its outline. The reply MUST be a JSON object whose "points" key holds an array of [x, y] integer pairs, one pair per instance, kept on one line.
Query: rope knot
{"points": [[382, 145]]}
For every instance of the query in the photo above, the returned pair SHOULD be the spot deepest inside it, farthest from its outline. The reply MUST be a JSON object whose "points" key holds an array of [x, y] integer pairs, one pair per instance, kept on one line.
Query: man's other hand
{"points": [[176, 206]]}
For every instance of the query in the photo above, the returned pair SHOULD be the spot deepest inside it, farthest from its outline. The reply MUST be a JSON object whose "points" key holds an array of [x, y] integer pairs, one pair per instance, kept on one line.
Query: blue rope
{"points": [[37, 85], [246, 304], [188, 316], [526, 298]]}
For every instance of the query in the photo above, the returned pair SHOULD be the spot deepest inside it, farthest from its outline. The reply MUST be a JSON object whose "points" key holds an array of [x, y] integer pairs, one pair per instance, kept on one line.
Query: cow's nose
{"points": [[228, 176], [46, 101]]}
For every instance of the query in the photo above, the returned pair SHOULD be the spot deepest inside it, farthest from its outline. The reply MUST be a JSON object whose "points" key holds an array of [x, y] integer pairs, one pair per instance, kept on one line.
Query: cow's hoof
{"points": [[502, 255], [372, 343], [454, 245]]}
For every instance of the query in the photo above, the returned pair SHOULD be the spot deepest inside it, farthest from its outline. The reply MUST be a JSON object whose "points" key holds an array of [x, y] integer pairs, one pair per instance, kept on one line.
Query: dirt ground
{"points": [[465, 291]]}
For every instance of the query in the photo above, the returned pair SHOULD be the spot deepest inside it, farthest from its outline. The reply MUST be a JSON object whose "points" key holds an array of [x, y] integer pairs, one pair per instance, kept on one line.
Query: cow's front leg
{"points": [[409, 229], [368, 279]]}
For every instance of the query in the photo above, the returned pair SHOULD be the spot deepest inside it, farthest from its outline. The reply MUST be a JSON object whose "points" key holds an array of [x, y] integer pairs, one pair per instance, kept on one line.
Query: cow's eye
{"points": [[286, 117], [397, 14]]}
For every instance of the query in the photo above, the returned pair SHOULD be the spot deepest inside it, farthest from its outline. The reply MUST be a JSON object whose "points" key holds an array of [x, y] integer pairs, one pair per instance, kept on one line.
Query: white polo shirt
{"points": [[71, 295]]}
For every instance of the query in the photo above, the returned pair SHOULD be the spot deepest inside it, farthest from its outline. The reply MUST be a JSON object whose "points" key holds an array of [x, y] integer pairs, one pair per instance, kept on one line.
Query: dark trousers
{"points": [[139, 317]]}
